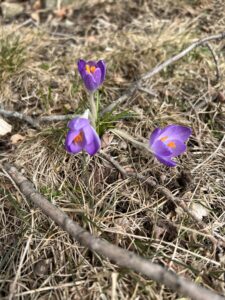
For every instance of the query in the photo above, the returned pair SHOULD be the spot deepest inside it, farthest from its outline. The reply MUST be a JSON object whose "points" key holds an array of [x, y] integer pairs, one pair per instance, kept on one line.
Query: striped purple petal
{"points": [[176, 132], [166, 161], [82, 136], [101, 65], [78, 123], [92, 73], [169, 142]]}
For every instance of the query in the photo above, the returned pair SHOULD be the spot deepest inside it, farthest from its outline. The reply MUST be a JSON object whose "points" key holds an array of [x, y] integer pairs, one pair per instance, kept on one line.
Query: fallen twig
{"points": [[184, 52], [216, 60], [118, 255], [136, 85], [15, 114], [166, 193], [56, 118], [35, 122]]}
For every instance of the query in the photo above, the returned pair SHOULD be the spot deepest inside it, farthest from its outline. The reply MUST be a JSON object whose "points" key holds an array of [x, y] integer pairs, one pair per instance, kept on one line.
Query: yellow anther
{"points": [[90, 69], [78, 138], [171, 145], [93, 68], [87, 68]]}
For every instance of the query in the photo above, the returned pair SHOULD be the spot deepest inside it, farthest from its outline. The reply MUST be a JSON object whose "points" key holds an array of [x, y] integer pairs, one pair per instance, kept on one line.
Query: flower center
{"points": [[78, 138], [171, 145], [90, 69]]}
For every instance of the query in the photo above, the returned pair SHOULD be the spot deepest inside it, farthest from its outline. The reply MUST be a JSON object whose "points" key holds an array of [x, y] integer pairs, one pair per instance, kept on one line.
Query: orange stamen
{"points": [[163, 139], [90, 69], [87, 68], [78, 138], [171, 145], [93, 68]]}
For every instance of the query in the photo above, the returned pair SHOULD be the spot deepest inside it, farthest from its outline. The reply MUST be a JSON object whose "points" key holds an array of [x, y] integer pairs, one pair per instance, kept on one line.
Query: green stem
{"points": [[129, 138], [93, 109]]}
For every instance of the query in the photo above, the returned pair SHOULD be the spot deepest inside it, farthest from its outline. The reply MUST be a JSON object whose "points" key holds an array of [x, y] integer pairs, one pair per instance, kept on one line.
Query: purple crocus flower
{"points": [[92, 73], [82, 136], [169, 142]]}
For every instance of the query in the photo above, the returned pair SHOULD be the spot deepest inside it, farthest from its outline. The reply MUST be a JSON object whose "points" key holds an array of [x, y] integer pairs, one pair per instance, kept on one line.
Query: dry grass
{"points": [[41, 79]]}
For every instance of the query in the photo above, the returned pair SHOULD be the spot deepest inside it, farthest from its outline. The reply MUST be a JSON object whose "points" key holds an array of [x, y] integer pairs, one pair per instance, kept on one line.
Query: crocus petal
{"points": [[92, 140], [90, 134], [93, 147], [90, 82], [78, 123], [74, 147], [176, 132], [156, 132], [92, 63], [92, 77], [81, 65], [159, 148], [101, 65], [87, 139], [97, 76], [166, 161], [70, 136], [180, 147]]}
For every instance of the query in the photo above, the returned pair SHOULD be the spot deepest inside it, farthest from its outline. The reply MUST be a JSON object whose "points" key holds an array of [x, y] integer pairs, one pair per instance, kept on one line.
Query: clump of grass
{"points": [[12, 55], [109, 120]]}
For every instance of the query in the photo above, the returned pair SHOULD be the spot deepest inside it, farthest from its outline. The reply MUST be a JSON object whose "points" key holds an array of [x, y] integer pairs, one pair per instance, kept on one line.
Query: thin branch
{"points": [[163, 191], [56, 118], [148, 91], [136, 85], [35, 122], [15, 114], [121, 257], [216, 60], [184, 52]]}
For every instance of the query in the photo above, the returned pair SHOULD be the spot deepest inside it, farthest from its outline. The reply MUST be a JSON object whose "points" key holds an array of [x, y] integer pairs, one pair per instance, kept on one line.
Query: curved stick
{"points": [[121, 257]]}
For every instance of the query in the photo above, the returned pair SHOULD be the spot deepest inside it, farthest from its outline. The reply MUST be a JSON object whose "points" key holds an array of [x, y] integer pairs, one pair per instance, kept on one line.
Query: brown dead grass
{"points": [[132, 37]]}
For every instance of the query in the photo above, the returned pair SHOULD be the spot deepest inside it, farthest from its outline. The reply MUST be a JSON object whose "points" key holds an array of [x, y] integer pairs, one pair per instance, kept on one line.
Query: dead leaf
{"points": [[36, 17], [16, 138], [159, 232], [38, 4], [91, 39], [129, 170], [67, 106], [119, 79], [106, 140], [62, 12], [122, 145], [4, 127], [199, 211], [220, 97]]}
